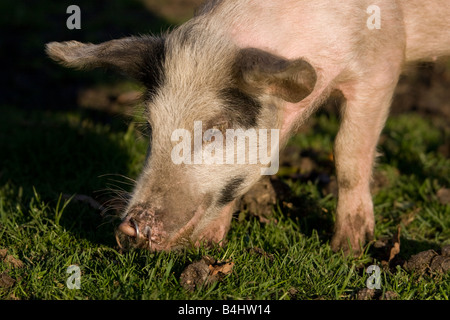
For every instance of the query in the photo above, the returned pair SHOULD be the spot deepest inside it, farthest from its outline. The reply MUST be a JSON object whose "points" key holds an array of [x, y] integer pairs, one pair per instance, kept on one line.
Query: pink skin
{"points": [[293, 43], [126, 228], [217, 229], [309, 31], [332, 65]]}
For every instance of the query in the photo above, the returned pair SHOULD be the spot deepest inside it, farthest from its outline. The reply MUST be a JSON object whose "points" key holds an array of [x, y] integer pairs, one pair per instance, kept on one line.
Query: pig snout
{"points": [[156, 230], [142, 228]]}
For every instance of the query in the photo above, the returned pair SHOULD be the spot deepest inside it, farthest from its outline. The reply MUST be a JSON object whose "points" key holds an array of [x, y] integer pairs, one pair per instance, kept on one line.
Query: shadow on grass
{"points": [[310, 217], [62, 152], [408, 248], [34, 81], [58, 155]]}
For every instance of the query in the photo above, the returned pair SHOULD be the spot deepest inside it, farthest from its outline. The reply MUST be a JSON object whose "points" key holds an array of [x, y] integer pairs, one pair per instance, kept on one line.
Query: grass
{"points": [[50, 148], [48, 233]]}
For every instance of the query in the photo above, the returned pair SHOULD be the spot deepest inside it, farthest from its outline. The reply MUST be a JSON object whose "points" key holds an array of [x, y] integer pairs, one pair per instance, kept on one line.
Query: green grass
{"points": [[45, 155]]}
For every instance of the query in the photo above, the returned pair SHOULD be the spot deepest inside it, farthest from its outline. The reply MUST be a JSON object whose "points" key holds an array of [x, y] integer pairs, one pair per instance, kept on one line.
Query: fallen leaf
{"points": [[3, 253], [223, 269], [16, 263], [396, 245], [9, 259]]}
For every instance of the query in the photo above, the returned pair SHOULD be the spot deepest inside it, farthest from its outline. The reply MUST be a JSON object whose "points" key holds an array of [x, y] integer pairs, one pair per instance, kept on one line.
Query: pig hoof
{"points": [[351, 244], [348, 247]]}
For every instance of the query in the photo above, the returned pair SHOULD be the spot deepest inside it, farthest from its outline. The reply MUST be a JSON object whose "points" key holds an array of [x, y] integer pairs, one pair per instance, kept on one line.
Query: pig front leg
{"points": [[363, 116]]}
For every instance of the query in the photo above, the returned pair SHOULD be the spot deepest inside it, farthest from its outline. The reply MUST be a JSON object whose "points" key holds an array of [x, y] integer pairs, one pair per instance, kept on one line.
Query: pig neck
{"points": [[294, 115], [291, 120]]}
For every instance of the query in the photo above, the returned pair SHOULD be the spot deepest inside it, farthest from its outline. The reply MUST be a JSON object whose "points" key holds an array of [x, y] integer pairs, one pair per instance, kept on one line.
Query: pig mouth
{"points": [[141, 230], [144, 231]]}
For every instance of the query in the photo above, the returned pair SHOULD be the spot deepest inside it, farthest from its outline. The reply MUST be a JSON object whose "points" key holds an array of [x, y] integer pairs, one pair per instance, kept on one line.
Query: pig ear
{"points": [[134, 56], [259, 72]]}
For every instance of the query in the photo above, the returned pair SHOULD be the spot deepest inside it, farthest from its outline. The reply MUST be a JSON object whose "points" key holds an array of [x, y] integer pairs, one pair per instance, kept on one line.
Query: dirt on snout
{"points": [[204, 272]]}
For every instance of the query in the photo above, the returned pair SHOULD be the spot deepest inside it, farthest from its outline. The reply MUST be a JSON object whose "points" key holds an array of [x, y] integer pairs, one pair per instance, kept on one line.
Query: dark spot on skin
{"points": [[358, 223], [188, 34], [346, 181], [243, 109], [344, 184], [141, 58], [151, 71], [228, 193]]}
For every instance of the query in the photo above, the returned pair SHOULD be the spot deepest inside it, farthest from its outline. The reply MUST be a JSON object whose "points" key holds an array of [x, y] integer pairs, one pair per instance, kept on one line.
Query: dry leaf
{"points": [[3, 253], [396, 245], [16, 263], [9, 259], [224, 269]]}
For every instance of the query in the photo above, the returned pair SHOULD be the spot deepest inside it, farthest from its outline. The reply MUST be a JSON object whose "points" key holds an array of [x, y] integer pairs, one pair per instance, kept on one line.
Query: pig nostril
{"points": [[136, 228], [128, 229]]}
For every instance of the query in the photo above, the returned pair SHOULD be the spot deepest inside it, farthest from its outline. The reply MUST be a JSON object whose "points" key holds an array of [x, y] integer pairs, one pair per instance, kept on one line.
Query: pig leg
{"points": [[363, 116]]}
